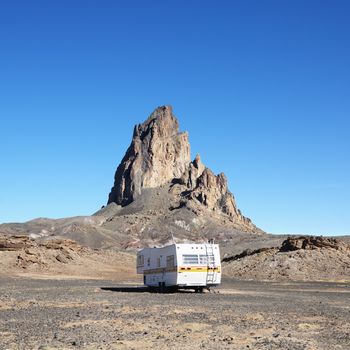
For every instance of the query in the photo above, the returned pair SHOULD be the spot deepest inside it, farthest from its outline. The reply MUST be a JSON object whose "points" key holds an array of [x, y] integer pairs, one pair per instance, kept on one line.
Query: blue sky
{"points": [[262, 87]]}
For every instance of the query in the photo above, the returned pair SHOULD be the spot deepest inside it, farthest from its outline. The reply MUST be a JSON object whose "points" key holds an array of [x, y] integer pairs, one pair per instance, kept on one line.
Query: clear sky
{"points": [[262, 87]]}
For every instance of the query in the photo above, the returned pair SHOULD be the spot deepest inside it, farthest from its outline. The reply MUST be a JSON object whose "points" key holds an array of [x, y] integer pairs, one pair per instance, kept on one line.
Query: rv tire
{"points": [[161, 287]]}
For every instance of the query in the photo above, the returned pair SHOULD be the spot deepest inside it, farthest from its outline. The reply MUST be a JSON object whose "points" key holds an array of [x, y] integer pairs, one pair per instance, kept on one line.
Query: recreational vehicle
{"points": [[195, 266]]}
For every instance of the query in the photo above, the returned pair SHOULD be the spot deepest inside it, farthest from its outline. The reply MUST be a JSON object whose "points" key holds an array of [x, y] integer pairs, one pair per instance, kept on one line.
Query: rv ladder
{"points": [[210, 264]]}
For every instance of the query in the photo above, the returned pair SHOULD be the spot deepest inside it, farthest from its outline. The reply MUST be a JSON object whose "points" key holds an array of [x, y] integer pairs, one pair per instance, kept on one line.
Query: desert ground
{"points": [[57, 294], [75, 313]]}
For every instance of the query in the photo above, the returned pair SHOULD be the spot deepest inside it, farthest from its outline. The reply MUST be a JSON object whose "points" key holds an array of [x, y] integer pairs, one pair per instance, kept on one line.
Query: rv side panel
{"points": [[183, 265]]}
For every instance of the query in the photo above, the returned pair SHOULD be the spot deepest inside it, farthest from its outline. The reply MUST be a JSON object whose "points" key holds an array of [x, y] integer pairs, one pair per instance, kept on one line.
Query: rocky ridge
{"points": [[297, 258], [21, 255]]}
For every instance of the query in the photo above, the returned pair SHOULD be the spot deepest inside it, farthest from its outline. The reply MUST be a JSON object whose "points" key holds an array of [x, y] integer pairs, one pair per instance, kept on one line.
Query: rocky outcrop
{"points": [[23, 242], [21, 255], [34, 252], [14, 243], [311, 243], [297, 258], [157, 154], [292, 244], [211, 191]]}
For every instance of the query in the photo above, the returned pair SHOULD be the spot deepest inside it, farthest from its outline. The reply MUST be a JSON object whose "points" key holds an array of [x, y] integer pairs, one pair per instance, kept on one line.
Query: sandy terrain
{"points": [[99, 314]]}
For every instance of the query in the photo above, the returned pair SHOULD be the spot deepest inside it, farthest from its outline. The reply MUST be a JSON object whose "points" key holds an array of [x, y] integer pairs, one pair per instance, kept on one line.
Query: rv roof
{"points": [[183, 245]]}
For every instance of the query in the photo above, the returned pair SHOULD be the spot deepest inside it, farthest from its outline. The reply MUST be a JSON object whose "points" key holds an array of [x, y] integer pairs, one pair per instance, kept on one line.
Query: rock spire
{"points": [[160, 155], [157, 154]]}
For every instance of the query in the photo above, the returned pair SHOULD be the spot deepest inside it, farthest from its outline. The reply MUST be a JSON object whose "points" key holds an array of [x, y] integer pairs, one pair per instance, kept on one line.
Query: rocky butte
{"points": [[159, 158]]}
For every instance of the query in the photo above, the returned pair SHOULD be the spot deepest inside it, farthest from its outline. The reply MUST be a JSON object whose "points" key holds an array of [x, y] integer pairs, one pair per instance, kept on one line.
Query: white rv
{"points": [[195, 266]]}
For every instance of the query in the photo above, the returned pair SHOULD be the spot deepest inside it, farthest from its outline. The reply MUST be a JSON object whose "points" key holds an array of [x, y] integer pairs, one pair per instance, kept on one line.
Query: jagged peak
{"points": [[161, 120], [158, 155]]}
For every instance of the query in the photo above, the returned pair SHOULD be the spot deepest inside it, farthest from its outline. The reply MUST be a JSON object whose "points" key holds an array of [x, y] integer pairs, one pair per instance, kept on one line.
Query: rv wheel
{"points": [[161, 287]]}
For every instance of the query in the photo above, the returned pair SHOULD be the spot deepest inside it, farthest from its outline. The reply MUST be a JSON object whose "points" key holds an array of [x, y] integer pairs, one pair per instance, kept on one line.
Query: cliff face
{"points": [[160, 155]]}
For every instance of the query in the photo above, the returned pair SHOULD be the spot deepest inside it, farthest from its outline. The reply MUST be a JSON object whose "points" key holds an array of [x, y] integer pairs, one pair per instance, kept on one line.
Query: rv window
{"points": [[148, 261], [140, 260], [158, 262], [170, 261], [190, 259], [203, 260]]}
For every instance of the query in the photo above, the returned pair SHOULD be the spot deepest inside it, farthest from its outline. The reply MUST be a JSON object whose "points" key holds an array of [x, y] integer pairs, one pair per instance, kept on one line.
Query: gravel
{"points": [[95, 314]]}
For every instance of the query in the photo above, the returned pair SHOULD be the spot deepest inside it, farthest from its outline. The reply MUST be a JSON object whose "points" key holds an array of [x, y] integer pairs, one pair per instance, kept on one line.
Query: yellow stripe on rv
{"points": [[182, 269]]}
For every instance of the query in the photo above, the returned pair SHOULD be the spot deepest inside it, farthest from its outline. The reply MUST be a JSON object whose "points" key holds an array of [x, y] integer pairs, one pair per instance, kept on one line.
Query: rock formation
{"points": [[158, 155], [312, 243], [292, 244], [297, 258], [210, 190]]}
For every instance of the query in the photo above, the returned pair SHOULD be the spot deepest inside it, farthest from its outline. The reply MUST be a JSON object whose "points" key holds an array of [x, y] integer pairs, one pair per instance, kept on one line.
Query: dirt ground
{"points": [[98, 314]]}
